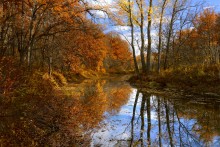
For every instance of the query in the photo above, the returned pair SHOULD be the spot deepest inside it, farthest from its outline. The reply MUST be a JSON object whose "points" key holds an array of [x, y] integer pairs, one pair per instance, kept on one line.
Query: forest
{"points": [[45, 36], [49, 47]]}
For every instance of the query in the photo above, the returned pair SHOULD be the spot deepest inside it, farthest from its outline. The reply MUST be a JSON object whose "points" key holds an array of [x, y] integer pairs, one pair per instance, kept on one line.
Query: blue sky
{"points": [[211, 3], [124, 30]]}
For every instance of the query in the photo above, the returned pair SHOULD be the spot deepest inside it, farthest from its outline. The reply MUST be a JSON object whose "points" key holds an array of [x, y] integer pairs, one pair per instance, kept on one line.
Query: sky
{"points": [[125, 30], [208, 3], [212, 3]]}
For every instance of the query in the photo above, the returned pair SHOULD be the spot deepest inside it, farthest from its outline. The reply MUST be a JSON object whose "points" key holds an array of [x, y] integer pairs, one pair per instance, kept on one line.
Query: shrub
{"points": [[191, 75], [59, 78], [33, 85], [51, 80]]}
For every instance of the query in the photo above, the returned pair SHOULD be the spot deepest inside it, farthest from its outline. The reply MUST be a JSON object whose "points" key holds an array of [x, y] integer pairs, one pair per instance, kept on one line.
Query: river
{"points": [[107, 113]]}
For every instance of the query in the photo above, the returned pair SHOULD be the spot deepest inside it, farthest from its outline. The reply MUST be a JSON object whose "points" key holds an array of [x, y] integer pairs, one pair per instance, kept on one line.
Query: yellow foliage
{"points": [[59, 78], [50, 79], [89, 74]]}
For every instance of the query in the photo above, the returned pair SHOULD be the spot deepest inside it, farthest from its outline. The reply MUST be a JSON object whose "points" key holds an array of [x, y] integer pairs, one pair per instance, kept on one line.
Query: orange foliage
{"points": [[86, 48], [200, 44], [120, 57], [9, 75], [119, 48], [42, 29]]}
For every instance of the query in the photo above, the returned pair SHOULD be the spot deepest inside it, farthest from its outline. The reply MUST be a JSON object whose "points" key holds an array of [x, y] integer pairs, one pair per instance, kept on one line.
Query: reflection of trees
{"points": [[133, 118], [117, 96], [142, 120], [94, 101], [206, 113], [168, 122], [97, 97], [101, 96], [145, 107], [59, 121], [42, 121], [159, 121], [148, 120], [176, 122]]}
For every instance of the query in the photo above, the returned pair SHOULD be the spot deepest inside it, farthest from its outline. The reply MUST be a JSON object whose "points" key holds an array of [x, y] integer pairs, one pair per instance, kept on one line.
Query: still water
{"points": [[110, 113], [151, 120]]}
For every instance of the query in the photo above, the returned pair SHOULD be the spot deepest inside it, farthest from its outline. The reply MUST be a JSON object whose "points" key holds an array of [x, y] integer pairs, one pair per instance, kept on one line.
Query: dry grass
{"points": [[193, 78]]}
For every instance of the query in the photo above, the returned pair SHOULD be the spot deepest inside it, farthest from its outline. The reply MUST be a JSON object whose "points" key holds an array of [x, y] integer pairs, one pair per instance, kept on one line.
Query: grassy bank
{"points": [[203, 80], [33, 114]]}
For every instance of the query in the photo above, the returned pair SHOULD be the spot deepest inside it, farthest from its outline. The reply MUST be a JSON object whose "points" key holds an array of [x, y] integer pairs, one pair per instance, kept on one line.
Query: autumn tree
{"points": [[119, 56], [170, 31], [160, 34], [85, 49], [218, 28], [132, 36], [149, 19], [140, 21], [126, 11], [42, 31], [207, 31], [200, 44]]}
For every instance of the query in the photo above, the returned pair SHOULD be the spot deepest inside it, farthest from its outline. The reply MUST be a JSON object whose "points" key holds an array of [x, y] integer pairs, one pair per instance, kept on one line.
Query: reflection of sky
{"points": [[116, 129], [115, 126], [216, 141]]}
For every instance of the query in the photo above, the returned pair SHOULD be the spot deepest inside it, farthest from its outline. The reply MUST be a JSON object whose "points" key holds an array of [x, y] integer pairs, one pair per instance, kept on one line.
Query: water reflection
{"points": [[149, 120], [109, 113], [60, 120]]}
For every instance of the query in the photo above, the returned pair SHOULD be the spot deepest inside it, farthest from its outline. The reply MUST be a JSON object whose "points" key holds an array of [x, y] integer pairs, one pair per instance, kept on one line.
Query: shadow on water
{"points": [[109, 113]]}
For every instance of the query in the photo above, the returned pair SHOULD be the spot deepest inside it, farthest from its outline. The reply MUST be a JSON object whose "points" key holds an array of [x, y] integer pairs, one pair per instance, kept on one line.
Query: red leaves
{"points": [[9, 74]]}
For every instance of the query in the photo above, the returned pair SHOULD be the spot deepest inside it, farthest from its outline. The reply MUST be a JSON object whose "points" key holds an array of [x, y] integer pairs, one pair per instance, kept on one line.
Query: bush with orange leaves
{"points": [[9, 75]]}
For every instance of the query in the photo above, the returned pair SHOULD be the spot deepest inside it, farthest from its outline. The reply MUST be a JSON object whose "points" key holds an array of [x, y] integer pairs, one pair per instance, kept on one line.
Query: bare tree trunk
{"points": [[21, 43], [1, 9], [149, 37], [170, 34], [160, 35], [30, 43], [217, 55], [140, 5], [50, 66], [132, 39]]}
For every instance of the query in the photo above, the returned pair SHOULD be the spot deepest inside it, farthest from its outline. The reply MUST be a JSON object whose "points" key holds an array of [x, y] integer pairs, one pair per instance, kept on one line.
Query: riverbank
{"points": [[38, 109], [203, 81], [35, 112], [50, 111]]}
